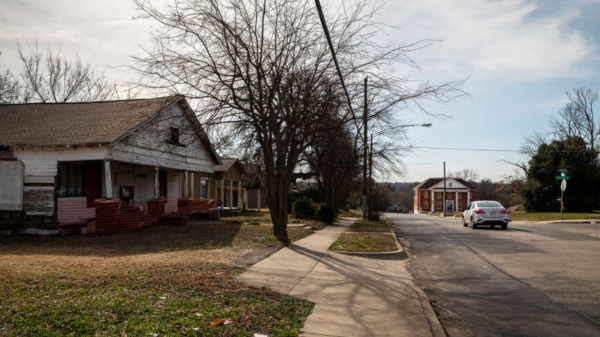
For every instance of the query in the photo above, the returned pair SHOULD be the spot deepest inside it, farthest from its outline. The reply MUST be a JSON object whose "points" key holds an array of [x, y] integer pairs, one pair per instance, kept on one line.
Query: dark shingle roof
{"points": [[74, 123], [427, 184], [228, 163]]}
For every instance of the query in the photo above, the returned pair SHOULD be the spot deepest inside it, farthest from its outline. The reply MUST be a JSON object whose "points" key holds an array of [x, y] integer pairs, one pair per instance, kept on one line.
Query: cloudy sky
{"points": [[520, 56]]}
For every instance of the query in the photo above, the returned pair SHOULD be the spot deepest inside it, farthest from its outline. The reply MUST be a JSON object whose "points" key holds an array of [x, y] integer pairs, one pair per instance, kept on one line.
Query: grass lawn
{"points": [[364, 243], [259, 218], [153, 282], [523, 216], [369, 226], [352, 213]]}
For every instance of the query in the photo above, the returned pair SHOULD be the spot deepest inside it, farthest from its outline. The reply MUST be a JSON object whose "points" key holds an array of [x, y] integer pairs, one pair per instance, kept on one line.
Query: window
{"points": [[204, 189], [439, 204], [174, 136], [426, 194], [426, 204], [72, 181], [460, 196], [460, 205], [490, 204], [449, 184]]}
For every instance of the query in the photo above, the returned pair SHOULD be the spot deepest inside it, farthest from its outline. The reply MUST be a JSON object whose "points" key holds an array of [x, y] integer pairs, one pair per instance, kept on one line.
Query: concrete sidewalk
{"points": [[368, 295]]}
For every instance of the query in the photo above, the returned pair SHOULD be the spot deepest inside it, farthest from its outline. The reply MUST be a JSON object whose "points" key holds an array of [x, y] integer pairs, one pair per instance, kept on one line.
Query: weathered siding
{"points": [[11, 185], [38, 200], [148, 145]]}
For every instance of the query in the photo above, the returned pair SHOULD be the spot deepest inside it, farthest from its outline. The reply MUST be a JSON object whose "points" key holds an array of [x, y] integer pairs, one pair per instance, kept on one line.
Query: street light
{"points": [[425, 125]]}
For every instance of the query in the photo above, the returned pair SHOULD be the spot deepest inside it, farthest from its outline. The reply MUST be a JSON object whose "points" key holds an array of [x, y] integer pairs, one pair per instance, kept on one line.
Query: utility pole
{"points": [[444, 201], [371, 177], [365, 154]]}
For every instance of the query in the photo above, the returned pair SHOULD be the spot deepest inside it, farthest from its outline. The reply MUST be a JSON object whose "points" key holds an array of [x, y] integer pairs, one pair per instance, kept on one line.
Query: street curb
{"points": [[528, 222], [434, 323], [400, 249]]}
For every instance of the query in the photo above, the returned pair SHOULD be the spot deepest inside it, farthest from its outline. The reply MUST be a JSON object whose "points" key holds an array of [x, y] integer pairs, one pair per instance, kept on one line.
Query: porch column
{"points": [[108, 180], [258, 199], [240, 194], [456, 202], [207, 188], [222, 192], [185, 184], [156, 187], [468, 197], [230, 192], [191, 192]]}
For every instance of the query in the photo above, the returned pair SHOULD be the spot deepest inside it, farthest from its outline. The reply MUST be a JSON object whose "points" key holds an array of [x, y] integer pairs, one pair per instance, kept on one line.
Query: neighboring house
{"points": [[257, 193], [429, 195], [114, 163], [254, 191], [230, 191]]}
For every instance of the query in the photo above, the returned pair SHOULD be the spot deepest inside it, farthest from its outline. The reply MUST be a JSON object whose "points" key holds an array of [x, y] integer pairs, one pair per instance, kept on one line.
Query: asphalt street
{"points": [[529, 280]]}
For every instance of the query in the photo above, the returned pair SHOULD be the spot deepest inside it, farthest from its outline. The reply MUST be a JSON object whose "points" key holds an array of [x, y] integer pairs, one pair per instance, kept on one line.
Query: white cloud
{"points": [[505, 38]]}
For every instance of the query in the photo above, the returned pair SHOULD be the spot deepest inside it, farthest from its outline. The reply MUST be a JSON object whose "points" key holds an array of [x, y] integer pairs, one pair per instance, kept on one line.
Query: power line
{"points": [[337, 66], [462, 149], [484, 108], [492, 150]]}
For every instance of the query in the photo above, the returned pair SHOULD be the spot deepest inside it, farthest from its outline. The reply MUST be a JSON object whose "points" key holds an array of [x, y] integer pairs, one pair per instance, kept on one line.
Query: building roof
{"points": [[249, 179], [74, 123], [429, 183], [82, 123], [228, 163]]}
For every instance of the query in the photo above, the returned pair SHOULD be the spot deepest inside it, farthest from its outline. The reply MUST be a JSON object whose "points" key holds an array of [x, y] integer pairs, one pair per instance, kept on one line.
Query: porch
{"points": [[113, 196]]}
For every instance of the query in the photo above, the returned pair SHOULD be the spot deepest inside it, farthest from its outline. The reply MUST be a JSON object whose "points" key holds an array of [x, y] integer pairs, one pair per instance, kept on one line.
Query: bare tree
{"points": [[470, 175], [577, 117], [9, 88], [263, 69], [50, 77]]}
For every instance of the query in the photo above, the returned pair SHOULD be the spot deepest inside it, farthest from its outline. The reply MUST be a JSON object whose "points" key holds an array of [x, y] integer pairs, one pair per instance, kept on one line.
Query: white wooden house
{"points": [[58, 161]]}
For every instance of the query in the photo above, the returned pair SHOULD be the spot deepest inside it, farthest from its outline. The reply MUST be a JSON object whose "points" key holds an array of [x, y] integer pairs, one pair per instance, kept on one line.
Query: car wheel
{"points": [[504, 226], [464, 223], [473, 225]]}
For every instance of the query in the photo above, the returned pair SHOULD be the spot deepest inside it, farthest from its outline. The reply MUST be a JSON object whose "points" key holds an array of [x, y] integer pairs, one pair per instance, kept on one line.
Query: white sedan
{"points": [[486, 212]]}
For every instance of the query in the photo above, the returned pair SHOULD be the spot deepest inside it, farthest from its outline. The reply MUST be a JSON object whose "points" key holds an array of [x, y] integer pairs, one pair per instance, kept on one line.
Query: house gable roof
{"points": [[85, 123], [228, 163], [432, 182]]}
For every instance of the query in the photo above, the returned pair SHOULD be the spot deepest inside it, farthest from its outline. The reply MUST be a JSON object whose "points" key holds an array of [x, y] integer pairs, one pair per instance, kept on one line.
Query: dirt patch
{"points": [[255, 256]]}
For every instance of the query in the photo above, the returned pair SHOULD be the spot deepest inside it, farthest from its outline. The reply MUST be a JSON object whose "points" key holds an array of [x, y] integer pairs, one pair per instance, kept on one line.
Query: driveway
{"points": [[529, 280]]}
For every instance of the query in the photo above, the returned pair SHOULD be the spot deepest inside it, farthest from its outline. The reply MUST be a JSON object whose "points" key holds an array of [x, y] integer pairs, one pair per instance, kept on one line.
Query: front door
{"points": [[449, 205]]}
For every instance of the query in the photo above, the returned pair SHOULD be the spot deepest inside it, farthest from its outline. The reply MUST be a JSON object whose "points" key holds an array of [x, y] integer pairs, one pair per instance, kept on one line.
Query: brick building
{"points": [[430, 193]]}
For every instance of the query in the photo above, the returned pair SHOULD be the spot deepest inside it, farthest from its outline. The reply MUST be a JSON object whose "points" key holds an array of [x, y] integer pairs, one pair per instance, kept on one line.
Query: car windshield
{"points": [[489, 204]]}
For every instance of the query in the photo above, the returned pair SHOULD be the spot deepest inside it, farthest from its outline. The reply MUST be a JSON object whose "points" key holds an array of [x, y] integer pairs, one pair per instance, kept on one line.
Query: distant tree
{"points": [[578, 118], [9, 88], [576, 127], [50, 77], [486, 189], [469, 175], [542, 189]]}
